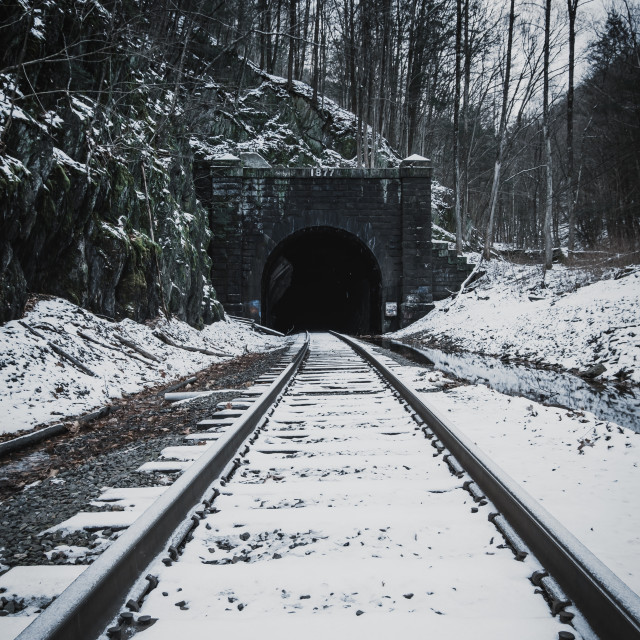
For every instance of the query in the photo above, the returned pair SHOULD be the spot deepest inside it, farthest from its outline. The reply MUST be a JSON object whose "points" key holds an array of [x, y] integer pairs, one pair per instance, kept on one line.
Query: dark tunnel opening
{"points": [[319, 279]]}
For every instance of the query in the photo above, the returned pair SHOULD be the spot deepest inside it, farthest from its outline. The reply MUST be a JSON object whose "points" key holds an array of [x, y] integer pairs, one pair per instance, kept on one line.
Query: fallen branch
{"points": [[243, 320], [95, 415], [72, 360], [113, 347], [172, 343], [135, 347], [134, 356], [179, 385], [61, 352], [470, 277], [89, 338], [625, 326], [271, 332], [31, 329], [21, 442], [255, 326]]}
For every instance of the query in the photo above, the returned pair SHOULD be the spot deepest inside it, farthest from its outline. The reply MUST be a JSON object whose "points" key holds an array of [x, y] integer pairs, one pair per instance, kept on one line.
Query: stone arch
{"points": [[322, 277], [254, 208]]}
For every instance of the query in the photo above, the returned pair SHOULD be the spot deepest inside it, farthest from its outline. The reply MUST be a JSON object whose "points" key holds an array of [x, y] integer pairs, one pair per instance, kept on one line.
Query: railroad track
{"points": [[342, 505]]}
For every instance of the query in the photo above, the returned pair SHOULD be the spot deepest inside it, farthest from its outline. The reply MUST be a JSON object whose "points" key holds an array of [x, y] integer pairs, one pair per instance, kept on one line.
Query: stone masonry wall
{"points": [[252, 210], [449, 270]]}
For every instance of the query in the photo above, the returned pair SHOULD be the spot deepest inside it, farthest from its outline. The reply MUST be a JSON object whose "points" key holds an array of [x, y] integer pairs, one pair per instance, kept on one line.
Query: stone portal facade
{"points": [[255, 208]]}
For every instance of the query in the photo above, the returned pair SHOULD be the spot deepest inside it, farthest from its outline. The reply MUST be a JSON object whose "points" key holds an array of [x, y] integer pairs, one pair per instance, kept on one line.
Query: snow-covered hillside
{"points": [[575, 322], [39, 386], [103, 158]]}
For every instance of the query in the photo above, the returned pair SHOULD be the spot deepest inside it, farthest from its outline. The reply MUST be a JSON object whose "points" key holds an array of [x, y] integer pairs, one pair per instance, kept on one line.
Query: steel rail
{"points": [[607, 603], [88, 605]]}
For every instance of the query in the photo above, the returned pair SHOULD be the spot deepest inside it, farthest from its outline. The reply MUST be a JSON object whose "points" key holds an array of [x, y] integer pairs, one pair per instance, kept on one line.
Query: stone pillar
{"points": [[417, 277], [226, 175]]}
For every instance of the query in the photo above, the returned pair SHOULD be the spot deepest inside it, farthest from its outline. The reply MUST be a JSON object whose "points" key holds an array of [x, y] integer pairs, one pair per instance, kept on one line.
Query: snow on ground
{"points": [[38, 386], [584, 471], [576, 324]]}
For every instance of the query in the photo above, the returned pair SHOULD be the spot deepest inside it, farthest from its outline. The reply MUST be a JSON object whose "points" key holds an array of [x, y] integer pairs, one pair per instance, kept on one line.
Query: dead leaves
{"points": [[585, 442], [73, 428]]}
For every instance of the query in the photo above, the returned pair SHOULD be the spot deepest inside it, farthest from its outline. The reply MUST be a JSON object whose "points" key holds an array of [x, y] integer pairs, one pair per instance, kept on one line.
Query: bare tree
{"points": [[456, 128], [502, 137], [292, 42], [548, 213], [315, 55], [464, 151], [572, 8]]}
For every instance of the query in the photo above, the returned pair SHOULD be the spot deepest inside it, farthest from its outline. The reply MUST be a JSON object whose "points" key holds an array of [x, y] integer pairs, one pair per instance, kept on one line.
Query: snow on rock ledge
{"points": [[37, 386]]}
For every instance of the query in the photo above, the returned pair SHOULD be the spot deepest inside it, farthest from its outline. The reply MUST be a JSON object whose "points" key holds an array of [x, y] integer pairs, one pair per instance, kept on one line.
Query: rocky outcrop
{"points": [[97, 190], [256, 112], [84, 232]]}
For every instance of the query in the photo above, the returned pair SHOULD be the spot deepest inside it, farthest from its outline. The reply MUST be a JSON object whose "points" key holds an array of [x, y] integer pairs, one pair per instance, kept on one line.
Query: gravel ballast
{"points": [[52, 481]]}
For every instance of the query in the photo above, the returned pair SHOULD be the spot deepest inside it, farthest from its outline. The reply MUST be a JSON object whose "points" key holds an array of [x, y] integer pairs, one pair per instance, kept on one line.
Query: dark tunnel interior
{"points": [[319, 279]]}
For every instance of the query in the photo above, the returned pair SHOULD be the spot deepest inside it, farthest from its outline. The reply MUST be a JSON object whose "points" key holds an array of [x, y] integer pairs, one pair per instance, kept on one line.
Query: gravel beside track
{"points": [[54, 480]]}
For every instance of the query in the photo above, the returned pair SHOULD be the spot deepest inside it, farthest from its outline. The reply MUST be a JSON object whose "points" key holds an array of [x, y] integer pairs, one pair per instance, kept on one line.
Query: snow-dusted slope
{"points": [[38, 386], [584, 471], [101, 201], [573, 322]]}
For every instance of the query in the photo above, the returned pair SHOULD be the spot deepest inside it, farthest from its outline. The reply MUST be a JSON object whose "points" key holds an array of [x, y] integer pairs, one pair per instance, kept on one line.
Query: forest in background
{"points": [[487, 92], [533, 158]]}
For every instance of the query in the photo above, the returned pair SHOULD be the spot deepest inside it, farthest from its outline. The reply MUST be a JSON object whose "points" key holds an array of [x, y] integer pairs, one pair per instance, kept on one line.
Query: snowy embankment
{"points": [[573, 322], [37, 385], [582, 470]]}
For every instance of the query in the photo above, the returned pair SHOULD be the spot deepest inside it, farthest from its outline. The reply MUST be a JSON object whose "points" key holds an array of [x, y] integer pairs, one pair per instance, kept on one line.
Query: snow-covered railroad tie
{"points": [[339, 517]]}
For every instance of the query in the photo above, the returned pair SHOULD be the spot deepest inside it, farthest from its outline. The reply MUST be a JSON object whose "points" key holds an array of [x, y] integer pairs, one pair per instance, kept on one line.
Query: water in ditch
{"points": [[606, 402]]}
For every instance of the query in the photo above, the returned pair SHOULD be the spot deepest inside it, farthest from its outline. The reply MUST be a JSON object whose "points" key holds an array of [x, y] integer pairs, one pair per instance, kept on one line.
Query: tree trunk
{"points": [[502, 136], [572, 6], [456, 128], [351, 54], [263, 38], [292, 43], [315, 62], [276, 43], [548, 213], [302, 55], [466, 146]]}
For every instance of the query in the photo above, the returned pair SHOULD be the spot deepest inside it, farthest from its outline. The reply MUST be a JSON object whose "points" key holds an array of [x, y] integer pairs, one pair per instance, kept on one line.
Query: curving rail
{"points": [[610, 606], [85, 608]]}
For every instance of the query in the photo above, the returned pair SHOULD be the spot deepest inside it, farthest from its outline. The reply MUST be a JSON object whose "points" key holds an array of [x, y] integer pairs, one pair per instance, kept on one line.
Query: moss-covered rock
{"points": [[13, 285], [78, 218]]}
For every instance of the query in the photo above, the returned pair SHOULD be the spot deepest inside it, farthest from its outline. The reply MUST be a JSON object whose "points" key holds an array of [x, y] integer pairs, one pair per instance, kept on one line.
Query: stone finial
{"points": [[254, 160], [416, 161]]}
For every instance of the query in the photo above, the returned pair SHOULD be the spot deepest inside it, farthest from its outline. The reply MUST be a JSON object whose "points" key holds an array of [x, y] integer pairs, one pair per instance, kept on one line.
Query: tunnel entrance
{"points": [[322, 278]]}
